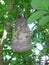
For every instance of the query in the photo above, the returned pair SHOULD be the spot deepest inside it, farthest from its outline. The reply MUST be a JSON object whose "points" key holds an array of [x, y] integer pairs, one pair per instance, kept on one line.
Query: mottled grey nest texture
{"points": [[21, 36]]}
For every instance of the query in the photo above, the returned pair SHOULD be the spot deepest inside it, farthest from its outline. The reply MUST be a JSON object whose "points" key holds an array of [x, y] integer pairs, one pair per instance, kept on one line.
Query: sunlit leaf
{"points": [[36, 16], [41, 5], [44, 21]]}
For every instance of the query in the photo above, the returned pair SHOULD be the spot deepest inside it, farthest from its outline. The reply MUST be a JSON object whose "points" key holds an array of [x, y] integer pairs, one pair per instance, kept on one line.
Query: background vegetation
{"points": [[36, 12]]}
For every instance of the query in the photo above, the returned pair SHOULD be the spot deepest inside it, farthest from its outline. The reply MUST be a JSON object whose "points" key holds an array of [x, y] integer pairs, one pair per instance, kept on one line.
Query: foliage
{"points": [[41, 13], [41, 32], [9, 10]]}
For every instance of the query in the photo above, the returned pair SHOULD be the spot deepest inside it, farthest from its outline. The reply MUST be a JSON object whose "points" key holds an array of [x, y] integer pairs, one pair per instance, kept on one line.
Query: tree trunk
{"points": [[1, 57]]}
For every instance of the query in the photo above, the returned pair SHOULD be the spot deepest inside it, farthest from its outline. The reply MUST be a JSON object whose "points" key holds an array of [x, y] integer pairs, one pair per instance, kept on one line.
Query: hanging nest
{"points": [[21, 36]]}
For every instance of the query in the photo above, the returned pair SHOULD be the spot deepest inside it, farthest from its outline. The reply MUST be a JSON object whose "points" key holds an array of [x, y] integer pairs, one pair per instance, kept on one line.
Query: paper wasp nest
{"points": [[21, 36]]}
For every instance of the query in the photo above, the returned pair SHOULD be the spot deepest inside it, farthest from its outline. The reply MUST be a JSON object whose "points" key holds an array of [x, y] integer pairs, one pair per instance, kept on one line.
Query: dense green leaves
{"points": [[41, 5], [3, 10], [42, 13], [39, 32], [36, 15], [44, 20], [47, 26], [7, 2]]}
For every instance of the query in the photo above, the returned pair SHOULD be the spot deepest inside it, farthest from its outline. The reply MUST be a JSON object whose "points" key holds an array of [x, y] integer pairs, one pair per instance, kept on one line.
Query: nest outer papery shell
{"points": [[21, 36]]}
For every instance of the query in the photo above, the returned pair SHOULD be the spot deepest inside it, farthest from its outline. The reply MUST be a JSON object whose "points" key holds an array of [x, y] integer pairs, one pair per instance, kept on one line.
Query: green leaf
{"points": [[14, 12], [47, 26], [36, 16], [43, 21], [10, 18], [1, 30], [7, 2], [41, 5], [3, 10], [46, 4]]}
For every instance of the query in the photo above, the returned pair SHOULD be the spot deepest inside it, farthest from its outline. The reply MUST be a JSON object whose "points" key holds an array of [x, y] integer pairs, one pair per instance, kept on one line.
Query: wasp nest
{"points": [[21, 36]]}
